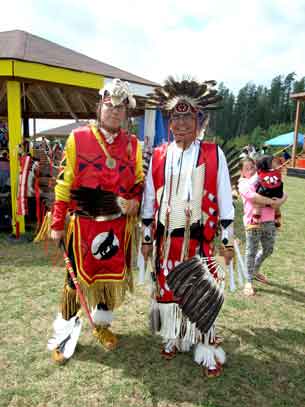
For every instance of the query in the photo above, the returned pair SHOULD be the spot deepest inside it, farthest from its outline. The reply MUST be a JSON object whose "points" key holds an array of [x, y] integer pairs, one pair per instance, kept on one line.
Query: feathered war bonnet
{"points": [[184, 96]]}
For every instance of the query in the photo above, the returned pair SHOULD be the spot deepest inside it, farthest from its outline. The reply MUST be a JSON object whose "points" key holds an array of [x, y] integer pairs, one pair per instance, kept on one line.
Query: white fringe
{"points": [[169, 345], [209, 337], [220, 354], [204, 356], [65, 335], [70, 345], [183, 346], [102, 317], [171, 319], [173, 323], [208, 355], [141, 267]]}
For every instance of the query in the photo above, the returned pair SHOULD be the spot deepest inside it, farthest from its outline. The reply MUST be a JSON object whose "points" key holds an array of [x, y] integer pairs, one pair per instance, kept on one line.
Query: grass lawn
{"points": [[264, 338]]}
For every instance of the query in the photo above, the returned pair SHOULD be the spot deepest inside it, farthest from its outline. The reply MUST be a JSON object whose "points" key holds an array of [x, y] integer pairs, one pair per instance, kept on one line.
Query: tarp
{"points": [[285, 140]]}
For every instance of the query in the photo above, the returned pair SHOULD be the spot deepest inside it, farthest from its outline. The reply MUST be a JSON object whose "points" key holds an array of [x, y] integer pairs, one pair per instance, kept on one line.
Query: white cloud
{"points": [[232, 41]]}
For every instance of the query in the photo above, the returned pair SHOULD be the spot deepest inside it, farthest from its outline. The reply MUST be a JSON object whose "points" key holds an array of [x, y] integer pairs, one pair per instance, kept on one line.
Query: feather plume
{"points": [[232, 156], [201, 96], [200, 297]]}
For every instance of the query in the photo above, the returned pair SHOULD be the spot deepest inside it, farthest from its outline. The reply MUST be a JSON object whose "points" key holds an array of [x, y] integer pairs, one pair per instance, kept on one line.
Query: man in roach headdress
{"points": [[187, 192], [100, 183]]}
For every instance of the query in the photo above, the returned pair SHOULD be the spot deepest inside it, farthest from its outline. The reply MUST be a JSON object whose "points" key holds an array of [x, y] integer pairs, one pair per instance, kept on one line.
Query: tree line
{"points": [[257, 112]]}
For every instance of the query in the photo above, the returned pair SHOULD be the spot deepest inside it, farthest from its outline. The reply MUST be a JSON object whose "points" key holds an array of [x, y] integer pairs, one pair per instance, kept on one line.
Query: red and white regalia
{"points": [[186, 192]]}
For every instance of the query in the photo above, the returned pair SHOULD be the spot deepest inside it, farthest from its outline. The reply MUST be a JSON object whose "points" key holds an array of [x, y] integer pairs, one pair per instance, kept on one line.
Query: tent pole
{"points": [[296, 132], [34, 129], [15, 138]]}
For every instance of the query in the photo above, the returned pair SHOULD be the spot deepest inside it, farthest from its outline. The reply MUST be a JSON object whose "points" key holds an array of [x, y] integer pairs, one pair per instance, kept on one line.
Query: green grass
{"points": [[264, 338]]}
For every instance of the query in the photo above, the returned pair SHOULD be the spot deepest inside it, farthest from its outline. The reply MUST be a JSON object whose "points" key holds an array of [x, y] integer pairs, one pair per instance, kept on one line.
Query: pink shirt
{"points": [[247, 190]]}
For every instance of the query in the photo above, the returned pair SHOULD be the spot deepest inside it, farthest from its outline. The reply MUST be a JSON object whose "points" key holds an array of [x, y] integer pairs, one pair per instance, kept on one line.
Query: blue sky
{"points": [[231, 41]]}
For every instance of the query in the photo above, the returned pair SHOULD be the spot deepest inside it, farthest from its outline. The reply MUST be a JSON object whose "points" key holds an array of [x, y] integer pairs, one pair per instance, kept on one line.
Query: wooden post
{"points": [[15, 138], [296, 132], [34, 129]]}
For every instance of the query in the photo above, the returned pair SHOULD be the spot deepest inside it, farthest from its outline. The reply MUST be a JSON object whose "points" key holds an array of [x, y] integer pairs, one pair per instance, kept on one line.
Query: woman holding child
{"points": [[260, 230]]}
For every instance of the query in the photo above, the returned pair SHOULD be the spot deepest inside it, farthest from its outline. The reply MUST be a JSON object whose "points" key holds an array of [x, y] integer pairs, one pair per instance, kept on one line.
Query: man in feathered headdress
{"points": [[187, 191], [100, 182]]}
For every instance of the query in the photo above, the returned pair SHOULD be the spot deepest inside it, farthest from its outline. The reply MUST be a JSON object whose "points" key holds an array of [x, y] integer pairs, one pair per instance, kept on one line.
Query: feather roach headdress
{"points": [[232, 156], [118, 92], [185, 94]]}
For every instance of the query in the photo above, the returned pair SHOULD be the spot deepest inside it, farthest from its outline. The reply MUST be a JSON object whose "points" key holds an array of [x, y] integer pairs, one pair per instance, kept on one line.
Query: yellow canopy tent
{"points": [[43, 80]]}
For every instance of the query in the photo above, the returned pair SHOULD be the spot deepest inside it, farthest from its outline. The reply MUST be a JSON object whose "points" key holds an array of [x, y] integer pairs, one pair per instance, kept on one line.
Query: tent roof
{"points": [[24, 46], [55, 81], [61, 131], [284, 139]]}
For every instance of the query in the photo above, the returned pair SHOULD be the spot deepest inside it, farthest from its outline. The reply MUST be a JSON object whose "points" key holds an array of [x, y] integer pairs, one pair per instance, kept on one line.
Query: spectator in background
{"points": [[4, 170], [4, 156], [286, 155], [255, 237], [57, 152], [268, 184], [3, 135]]}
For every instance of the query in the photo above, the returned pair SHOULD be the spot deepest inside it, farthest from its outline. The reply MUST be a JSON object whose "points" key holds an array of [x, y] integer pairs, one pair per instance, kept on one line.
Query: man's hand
{"points": [[227, 252], [129, 206], [147, 251], [133, 207], [57, 234]]}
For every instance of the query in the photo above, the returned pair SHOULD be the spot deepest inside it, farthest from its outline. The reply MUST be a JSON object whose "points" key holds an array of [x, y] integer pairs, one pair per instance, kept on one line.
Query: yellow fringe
{"points": [[44, 231], [103, 292], [69, 304], [70, 230], [131, 238]]}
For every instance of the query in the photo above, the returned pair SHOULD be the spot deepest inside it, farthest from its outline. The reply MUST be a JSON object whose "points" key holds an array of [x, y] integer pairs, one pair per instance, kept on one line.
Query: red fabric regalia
{"points": [[102, 246], [208, 157]]}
